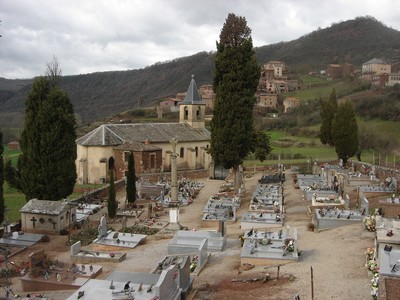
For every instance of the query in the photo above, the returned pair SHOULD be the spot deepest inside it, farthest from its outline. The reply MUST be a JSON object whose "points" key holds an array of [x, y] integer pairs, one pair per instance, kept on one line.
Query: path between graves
{"points": [[336, 255]]}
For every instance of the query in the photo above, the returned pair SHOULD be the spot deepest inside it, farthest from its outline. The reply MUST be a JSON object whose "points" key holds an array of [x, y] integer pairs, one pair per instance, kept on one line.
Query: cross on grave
{"points": [[33, 221]]}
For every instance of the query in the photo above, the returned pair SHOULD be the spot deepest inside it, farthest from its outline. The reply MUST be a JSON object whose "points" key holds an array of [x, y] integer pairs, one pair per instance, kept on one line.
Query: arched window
{"points": [[182, 152], [198, 113], [196, 151], [111, 163], [186, 113]]}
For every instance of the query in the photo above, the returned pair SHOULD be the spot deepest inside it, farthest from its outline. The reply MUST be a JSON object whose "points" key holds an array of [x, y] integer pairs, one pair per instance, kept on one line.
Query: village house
{"points": [[108, 146], [339, 71], [380, 80], [393, 78], [374, 67], [289, 103]]}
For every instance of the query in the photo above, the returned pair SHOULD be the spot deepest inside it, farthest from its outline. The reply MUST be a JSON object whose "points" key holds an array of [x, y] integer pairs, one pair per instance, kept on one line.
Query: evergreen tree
{"points": [[10, 174], [345, 131], [236, 76], [131, 180], [47, 163], [262, 145], [327, 113], [112, 201], [2, 205]]}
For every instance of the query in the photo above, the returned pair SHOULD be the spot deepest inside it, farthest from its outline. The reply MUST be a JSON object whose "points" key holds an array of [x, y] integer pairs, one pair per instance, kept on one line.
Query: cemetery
{"points": [[261, 220], [220, 207]]}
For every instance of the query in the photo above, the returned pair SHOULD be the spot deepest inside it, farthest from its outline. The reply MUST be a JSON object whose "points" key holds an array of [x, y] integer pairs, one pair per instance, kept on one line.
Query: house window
{"points": [[182, 152]]}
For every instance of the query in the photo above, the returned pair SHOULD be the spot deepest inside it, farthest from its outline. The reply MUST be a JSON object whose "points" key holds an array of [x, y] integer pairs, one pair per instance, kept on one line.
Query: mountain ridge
{"points": [[99, 95]]}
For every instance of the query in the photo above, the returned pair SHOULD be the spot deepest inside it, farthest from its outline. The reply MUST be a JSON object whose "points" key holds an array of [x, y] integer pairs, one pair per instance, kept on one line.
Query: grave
{"points": [[220, 207], [46, 275], [334, 217], [114, 240], [84, 210], [261, 220], [185, 266], [387, 234], [264, 248], [185, 241], [132, 285], [21, 239], [78, 255], [389, 262], [266, 197]]}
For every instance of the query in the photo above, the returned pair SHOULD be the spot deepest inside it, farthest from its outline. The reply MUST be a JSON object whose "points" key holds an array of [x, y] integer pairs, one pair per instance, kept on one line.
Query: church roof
{"points": [[374, 61], [44, 207], [117, 134], [192, 94]]}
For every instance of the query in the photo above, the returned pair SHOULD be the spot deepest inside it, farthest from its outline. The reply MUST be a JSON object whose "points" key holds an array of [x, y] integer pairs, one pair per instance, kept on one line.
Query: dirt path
{"points": [[337, 256]]}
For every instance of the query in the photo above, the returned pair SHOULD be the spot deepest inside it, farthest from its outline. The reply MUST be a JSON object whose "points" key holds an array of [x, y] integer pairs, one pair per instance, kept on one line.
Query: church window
{"points": [[182, 152]]}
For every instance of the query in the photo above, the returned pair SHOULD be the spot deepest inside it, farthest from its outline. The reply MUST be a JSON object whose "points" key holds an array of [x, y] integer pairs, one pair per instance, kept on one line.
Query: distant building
{"points": [[374, 67], [339, 71], [393, 79], [13, 146], [170, 104], [289, 103], [380, 80]]}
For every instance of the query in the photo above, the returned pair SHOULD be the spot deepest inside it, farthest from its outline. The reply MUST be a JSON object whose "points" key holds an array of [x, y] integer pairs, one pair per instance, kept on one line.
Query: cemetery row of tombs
{"points": [[336, 197], [339, 197]]}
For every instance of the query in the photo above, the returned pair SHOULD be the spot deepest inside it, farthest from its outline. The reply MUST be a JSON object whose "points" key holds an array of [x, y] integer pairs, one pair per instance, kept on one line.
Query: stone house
{"points": [[47, 217], [393, 78], [170, 104], [108, 146], [374, 67], [289, 103]]}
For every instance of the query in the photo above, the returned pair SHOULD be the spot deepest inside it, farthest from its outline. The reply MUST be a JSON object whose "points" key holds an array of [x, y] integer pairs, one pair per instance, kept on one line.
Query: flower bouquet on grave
{"points": [[370, 223], [374, 286], [289, 245], [372, 266], [370, 253]]}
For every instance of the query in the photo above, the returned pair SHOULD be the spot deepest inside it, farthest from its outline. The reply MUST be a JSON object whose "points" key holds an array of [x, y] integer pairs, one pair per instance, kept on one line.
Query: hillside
{"points": [[99, 95]]}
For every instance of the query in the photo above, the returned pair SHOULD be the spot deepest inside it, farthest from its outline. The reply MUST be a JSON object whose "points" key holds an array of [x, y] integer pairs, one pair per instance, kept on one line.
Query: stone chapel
{"points": [[109, 145]]}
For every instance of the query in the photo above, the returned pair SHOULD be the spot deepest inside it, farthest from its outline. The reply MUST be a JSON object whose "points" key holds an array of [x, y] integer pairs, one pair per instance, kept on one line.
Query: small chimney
{"points": [[146, 142]]}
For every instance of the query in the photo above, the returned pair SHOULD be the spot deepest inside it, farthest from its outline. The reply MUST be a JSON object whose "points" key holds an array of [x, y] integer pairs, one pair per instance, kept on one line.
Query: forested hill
{"points": [[102, 94]]}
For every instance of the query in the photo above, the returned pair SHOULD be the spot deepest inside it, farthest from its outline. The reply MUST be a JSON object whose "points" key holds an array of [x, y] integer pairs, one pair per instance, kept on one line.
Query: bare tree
{"points": [[53, 71]]}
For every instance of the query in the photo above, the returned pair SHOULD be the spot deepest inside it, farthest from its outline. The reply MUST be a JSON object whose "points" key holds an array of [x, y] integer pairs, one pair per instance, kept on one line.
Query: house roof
{"points": [[136, 146], [374, 61], [44, 207], [192, 95], [117, 134]]}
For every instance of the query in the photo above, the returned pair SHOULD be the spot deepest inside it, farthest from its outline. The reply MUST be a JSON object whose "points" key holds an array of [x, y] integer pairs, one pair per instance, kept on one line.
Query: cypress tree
{"points": [[131, 180], [112, 201], [47, 163], [327, 113], [2, 205], [236, 76], [345, 131]]}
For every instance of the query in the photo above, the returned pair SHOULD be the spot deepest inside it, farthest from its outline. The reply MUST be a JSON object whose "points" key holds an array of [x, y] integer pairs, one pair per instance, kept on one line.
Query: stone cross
{"points": [[33, 221], [174, 176]]}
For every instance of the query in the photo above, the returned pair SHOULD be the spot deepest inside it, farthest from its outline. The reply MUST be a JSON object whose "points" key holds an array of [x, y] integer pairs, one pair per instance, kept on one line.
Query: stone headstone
{"points": [[347, 202], [123, 222], [75, 248], [102, 227]]}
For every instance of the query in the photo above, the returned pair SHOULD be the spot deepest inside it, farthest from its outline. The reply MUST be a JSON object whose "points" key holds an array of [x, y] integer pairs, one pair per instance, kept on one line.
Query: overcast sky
{"points": [[99, 35]]}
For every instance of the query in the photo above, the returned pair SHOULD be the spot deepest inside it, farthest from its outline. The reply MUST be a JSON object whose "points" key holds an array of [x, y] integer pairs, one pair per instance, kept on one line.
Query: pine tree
{"points": [[345, 131], [327, 113], [2, 205], [131, 180], [236, 76], [47, 163], [112, 201]]}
